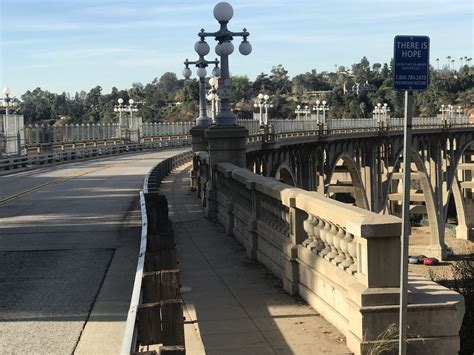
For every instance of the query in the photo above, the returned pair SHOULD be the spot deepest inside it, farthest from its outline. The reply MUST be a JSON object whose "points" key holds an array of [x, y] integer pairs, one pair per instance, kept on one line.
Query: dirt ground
{"points": [[462, 249]]}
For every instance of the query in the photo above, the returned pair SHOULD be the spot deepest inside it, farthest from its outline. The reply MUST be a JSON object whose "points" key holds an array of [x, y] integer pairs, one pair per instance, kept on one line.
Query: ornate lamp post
{"points": [[223, 12], [262, 102], [320, 107], [7, 101], [202, 48], [381, 113], [459, 111], [299, 110], [213, 98]]}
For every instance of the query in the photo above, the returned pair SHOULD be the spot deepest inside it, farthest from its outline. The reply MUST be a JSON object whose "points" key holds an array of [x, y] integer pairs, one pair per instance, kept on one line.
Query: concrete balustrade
{"points": [[343, 260]]}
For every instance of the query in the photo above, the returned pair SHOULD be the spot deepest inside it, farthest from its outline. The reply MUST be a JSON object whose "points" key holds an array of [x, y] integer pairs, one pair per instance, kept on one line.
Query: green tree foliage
{"points": [[351, 93]]}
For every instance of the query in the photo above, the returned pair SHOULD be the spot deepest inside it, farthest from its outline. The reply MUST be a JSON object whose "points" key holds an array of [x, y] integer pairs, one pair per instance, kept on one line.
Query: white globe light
{"points": [[298, 107], [324, 102], [213, 81], [201, 72], [226, 48], [131, 101], [245, 48], [7, 91], [260, 96], [266, 97], [120, 101], [218, 49], [223, 12], [216, 72], [202, 48], [187, 73], [318, 102]]}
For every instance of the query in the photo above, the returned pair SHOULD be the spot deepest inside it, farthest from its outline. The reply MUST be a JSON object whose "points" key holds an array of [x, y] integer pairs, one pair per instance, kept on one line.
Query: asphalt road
{"points": [[69, 238]]}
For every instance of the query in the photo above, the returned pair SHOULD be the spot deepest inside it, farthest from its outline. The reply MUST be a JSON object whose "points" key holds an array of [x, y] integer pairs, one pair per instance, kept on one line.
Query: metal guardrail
{"points": [[83, 153], [151, 184]]}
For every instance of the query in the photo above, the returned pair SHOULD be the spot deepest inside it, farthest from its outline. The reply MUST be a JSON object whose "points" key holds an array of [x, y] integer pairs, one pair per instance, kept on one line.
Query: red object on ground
{"points": [[431, 261]]}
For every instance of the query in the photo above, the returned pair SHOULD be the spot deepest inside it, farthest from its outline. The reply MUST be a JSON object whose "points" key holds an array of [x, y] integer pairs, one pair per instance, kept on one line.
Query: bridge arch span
{"points": [[349, 163], [285, 174]]}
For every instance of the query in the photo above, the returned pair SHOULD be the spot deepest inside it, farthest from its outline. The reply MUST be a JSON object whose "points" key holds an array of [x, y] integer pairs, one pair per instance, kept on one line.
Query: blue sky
{"points": [[73, 45]]}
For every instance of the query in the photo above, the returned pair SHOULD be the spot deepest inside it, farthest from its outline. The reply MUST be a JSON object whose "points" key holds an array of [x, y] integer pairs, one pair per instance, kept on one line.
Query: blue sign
{"points": [[412, 61]]}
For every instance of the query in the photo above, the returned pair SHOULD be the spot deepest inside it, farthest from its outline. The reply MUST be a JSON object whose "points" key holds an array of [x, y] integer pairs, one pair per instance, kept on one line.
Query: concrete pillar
{"points": [[199, 144], [225, 144]]}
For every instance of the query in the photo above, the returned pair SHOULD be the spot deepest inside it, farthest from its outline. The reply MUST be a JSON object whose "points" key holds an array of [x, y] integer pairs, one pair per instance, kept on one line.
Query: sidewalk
{"points": [[233, 304]]}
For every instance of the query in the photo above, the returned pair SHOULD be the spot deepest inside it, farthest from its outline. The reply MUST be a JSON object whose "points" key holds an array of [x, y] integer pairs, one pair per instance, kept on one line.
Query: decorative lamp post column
{"points": [[259, 103], [324, 108], [120, 108], [223, 12], [213, 98], [202, 49], [459, 111], [266, 104], [7, 101]]}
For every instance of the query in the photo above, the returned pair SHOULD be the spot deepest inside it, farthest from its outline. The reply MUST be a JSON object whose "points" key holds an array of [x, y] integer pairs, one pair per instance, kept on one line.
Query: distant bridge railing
{"points": [[392, 123]]}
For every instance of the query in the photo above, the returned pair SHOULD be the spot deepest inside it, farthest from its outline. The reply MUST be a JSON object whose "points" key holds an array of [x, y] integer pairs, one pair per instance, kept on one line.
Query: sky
{"points": [[74, 45]]}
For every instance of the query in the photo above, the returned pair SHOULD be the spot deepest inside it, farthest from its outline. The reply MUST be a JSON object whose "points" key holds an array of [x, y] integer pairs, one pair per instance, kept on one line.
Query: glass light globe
{"points": [[213, 81], [318, 102], [120, 101], [324, 102], [131, 101], [385, 105], [218, 49], [226, 48], [187, 73], [260, 96], [216, 72], [201, 72], [379, 104], [7, 91], [266, 97], [223, 12], [442, 106], [245, 48], [306, 107], [202, 48], [115, 109], [298, 107], [255, 105]]}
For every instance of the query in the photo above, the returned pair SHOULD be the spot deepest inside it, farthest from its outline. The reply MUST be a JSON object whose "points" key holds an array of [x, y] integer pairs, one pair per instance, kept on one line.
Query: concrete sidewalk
{"points": [[234, 305]]}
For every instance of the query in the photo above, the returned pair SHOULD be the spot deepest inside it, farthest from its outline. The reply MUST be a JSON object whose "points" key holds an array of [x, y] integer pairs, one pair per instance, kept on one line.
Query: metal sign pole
{"points": [[402, 344]]}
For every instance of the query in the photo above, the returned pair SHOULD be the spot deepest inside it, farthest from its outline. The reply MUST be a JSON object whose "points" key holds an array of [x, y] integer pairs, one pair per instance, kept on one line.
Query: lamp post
{"points": [[381, 113], [321, 107], [213, 98], [459, 111], [202, 49], [262, 102], [223, 12], [7, 101], [299, 111]]}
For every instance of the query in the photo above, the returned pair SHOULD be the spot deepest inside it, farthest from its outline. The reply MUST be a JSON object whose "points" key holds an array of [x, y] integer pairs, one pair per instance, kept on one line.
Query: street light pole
{"points": [[202, 48], [223, 12]]}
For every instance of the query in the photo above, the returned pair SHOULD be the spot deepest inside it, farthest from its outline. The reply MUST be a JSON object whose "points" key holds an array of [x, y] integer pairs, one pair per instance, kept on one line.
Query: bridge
{"points": [[315, 203]]}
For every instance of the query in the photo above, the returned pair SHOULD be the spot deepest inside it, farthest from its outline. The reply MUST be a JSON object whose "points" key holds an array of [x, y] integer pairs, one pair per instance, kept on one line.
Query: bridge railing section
{"points": [[343, 260], [155, 317]]}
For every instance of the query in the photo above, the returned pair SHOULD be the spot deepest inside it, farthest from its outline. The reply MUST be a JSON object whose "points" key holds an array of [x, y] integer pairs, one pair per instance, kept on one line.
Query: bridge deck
{"points": [[233, 305], [69, 238]]}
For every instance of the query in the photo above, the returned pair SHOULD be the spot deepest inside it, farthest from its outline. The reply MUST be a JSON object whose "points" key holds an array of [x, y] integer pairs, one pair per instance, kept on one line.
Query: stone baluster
{"points": [[308, 226], [323, 232], [317, 245], [352, 248], [330, 238], [337, 244], [348, 261]]}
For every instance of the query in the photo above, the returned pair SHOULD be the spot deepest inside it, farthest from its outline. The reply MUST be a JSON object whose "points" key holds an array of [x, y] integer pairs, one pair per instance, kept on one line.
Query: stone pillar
{"points": [[199, 144], [225, 144]]}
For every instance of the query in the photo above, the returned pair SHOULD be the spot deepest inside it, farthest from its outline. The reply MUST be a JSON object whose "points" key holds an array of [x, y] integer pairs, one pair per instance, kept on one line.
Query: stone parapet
{"points": [[343, 260]]}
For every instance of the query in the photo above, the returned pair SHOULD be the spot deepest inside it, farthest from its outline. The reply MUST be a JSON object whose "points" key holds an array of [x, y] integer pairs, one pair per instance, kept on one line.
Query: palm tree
{"points": [[437, 62], [461, 59]]}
